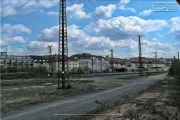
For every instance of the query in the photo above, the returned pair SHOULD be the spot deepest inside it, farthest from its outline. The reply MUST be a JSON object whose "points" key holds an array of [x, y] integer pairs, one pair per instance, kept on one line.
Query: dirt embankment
{"points": [[160, 102]]}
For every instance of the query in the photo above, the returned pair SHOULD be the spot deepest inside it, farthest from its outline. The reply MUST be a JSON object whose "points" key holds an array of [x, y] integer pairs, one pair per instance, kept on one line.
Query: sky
{"points": [[28, 27]]}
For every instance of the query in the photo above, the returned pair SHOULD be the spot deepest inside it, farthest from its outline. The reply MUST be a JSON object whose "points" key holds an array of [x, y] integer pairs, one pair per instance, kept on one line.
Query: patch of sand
{"points": [[148, 96], [16, 100], [150, 117]]}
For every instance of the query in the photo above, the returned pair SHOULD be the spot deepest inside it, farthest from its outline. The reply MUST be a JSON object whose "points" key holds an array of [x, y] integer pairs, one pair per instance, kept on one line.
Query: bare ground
{"points": [[17, 94], [160, 102]]}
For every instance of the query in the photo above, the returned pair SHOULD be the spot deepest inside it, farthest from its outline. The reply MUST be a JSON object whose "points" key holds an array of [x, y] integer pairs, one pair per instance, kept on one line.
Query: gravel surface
{"points": [[82, 104], [160, 102]]}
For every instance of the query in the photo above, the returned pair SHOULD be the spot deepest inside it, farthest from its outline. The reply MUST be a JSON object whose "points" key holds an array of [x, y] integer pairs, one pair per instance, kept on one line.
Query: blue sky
{"points": [[94, 26]]}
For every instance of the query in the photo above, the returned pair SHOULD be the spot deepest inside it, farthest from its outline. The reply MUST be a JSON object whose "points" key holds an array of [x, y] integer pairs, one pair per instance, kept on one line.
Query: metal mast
{"points": [[140, 56], [156, 59], [63, 69], [112, 66]]}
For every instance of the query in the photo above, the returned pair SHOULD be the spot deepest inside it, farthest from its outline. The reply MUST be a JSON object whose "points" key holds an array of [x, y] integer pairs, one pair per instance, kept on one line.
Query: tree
{"points": [[79, 70], [73, 71], [2, 68], [12, 69], [86, 69]]}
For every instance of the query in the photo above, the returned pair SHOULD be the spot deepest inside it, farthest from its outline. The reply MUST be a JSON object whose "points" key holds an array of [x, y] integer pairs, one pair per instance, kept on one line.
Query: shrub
{"points": [[79, 70], [39, 71], [12, 70], [174, 70], [148, 73], [3, 70]]}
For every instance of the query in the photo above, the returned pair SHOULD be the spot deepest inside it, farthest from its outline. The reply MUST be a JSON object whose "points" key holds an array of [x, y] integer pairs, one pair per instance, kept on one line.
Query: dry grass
{"points": [[18, 94], [160, 102]]}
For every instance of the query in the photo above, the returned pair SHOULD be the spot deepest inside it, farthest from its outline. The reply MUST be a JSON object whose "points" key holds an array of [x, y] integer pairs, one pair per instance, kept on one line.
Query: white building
{"points": [[15, 61], [92, 63]]}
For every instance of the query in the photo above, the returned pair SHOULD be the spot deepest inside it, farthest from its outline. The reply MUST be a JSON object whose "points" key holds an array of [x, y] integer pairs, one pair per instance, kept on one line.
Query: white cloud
{"points": [[123, 27], [48, 3], [74, 31], [124, 1], [49, 34], [162, 49], [9, 7], [104, 11], [3, 43], [82, 39], [40, 47], [104, 38], [53, 13], [122, 6], [79, 38], [159, 35], [131, 9], [175, 27], [76, 11], [19, 39], [145, 13], [9, 29], [12, 33]]}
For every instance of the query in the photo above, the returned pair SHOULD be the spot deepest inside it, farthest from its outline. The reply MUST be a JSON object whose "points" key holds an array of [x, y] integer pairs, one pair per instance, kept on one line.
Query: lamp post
{"points": [[92, 64], [156, 58]]}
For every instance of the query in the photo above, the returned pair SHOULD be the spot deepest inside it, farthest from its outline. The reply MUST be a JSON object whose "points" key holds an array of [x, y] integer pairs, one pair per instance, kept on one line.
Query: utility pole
{"points": [[6, 57], [101, 64], [178, 55], [92, 65], [112, 67], [6, 49], [156, 59], [50, 59], [140, 55], [63, 46]]}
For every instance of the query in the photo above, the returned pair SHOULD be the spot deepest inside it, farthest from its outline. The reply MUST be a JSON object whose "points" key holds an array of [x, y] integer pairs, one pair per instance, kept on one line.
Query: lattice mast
{"points": [[63, 69], [140, 55]]}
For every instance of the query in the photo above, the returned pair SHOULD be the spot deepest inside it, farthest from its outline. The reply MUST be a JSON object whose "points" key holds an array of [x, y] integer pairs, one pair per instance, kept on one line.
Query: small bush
{"points": [[40, 71], [148, 73], [12, 70], [174, 70]]}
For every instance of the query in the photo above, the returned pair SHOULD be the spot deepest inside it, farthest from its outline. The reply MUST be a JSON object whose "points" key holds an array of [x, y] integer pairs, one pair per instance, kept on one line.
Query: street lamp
{"points": [[92, 63], [156, 58]]}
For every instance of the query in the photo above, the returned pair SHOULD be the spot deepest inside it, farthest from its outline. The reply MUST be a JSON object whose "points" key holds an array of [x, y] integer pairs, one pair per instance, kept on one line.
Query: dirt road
{"points": [[81, 104]]}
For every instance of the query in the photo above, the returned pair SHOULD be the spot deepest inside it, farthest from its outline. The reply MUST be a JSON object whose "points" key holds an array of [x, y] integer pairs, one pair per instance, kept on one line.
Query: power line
{"points": [[115, 21], [11, 7], [106, 22], [106, 15], [25, 21], [111, 15], [15, 10]]}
